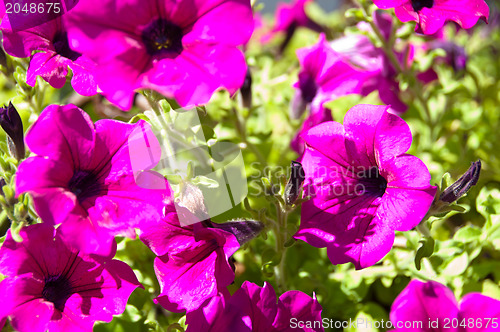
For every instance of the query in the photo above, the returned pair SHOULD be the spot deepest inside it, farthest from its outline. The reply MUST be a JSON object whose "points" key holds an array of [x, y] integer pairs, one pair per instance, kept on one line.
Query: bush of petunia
{"points": [[204, 165]]}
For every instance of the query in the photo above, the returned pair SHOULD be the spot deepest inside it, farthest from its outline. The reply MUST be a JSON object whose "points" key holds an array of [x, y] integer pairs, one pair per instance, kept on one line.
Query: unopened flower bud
{"points": [[246, 90], [243, 230], [11, 123], [292, 188], [462, 185]]}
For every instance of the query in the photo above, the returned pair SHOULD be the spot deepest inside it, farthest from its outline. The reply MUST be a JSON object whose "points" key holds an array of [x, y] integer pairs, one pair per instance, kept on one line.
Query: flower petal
{"points": [[479, 308], [71, 138], [360, 125], [424, 301], [52, 67]]}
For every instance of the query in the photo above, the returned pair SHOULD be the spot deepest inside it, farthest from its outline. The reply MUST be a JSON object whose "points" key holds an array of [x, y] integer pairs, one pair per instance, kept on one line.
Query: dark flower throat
{"points": [[62, 48], [373, 182], [162, 36], [419, 4], [57, 289], [84, 184]]}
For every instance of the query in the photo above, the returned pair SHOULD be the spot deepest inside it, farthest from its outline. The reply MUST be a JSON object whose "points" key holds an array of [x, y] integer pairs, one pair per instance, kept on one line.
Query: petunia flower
{"points": [[192, 263], [51, 55], [360, 52], [324, 76], [52, 286], [83, 176], [363, 186], [289, 17], [184, 49], [431, 15], [431, 306], [254, 308]]}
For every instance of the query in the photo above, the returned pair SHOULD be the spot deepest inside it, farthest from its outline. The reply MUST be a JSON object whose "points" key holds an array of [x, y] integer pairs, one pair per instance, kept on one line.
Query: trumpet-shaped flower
{"points": [[360, 51], [363, 185], [184, 49], [325, 76], [254, 308], [192, 263], [47, 45], [431, 15], [52, 286], [291, 16], [432, 306], [82, 176]]}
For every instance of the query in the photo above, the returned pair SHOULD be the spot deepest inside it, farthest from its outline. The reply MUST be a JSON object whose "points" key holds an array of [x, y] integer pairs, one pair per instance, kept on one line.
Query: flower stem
{"points": [[280, 233]]}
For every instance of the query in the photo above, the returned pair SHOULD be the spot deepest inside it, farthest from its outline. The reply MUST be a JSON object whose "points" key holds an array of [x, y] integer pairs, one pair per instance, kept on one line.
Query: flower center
{"points": [[308, 87], [57, 289], [84, 184], [62, 48], [419, 4], [162, 36], [373, 183]]}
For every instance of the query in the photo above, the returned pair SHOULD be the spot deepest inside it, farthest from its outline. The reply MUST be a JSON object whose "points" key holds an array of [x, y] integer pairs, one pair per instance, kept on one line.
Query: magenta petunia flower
{"points": [[289, 17], [192, 263], [47, 45], [363, 186], [431, 306], [431, 15], [325, 76], [52, 286], [360, 52], [82, 176], [184, 49], [293, 15], [254, 308]]}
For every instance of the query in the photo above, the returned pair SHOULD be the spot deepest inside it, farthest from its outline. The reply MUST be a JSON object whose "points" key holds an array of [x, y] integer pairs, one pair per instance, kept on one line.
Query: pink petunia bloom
{"points": [[363, 186], [431, 306], [324, 76], [52, 286], [82, 176], [361, 52], [289, 17], [192, 263], [293, 15], [185, 49], [254, 308], [431, 15], [47, 45]]}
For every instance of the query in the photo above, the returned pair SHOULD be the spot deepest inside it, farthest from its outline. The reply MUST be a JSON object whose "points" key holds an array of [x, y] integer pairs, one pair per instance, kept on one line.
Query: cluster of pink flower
{"points": [[62, 275]]}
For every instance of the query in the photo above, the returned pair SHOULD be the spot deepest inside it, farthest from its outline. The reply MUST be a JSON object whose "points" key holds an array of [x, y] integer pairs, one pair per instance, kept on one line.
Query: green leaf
{"points": [[467, 234], [205, 181], [487, 201], [457, 265], [426, 250]]}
